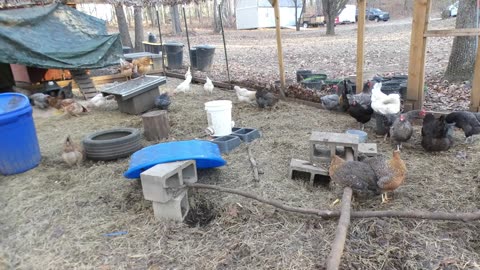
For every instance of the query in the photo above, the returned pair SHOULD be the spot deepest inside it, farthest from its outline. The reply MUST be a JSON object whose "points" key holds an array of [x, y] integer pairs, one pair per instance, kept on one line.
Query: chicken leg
{"points": [[385, 198]]}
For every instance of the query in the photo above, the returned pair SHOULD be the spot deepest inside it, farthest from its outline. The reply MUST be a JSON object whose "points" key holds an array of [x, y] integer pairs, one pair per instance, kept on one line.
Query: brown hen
{"points": [[142, 66]]}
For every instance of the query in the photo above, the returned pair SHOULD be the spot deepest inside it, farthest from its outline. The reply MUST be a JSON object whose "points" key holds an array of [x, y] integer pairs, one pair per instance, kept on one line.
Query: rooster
{"points": [[163, 101], [339, 100], [402, 129], [384, 104], [360, 106], [355, 174], [245, 95], [436, 133], [390, 173], [208, 86], [72, 153], [184, 87], [141, 66], [469, 122], [72, 107], [265, 99]]}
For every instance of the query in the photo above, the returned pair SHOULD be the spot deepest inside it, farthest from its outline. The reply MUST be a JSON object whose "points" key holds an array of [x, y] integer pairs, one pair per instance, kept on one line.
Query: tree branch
{"points": [[254, 164], [466, 217], [333, 261]]}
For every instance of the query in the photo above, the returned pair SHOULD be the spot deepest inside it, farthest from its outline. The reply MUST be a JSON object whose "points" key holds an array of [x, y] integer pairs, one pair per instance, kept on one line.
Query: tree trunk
{"points": [[137, 16], [216, 18], [462, 59], [297, 24], [318, 7], [122, 25], [175, 20], [299, 20], [330, 25]]}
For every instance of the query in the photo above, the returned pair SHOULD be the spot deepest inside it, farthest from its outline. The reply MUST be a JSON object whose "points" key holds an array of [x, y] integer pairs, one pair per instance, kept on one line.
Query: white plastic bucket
{"points": [[219, 115]]}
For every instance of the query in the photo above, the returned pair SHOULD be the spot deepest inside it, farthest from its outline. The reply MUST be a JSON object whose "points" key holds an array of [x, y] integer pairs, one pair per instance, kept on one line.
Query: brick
{"points": [[160, 182], [368, 149], [323, 145], [174, 209], [305, 166]]}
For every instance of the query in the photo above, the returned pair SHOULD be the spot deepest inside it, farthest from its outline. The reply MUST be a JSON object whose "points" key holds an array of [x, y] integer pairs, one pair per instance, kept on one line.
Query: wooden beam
{"points": [[418, 44], [464, 32], [276, 10], [475, 97], [362, 7]]}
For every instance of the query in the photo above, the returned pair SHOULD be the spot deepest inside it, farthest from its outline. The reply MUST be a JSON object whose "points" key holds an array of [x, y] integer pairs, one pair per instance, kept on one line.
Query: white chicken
{"points": [[188, 73], [245, 95], [99, 101], [184, 87], [208, 86], [383, 103]]}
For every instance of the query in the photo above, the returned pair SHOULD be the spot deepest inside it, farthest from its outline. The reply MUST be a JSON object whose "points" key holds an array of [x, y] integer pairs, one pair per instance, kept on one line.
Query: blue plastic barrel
{"points": [[19, 150]]}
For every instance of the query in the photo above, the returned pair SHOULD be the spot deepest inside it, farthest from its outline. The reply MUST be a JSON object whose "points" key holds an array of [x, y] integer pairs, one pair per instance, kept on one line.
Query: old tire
{"points": [[112, 144]]}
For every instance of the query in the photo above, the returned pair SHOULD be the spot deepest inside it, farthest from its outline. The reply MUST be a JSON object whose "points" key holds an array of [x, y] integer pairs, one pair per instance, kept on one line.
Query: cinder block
{"points": [[227, 143], [324, 145], [160, 182], [176, 208], [305, 166], [246, 134], [368, 149]]}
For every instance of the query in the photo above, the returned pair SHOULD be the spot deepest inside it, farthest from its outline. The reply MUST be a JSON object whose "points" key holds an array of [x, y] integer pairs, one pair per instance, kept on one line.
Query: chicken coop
{"points": [[253, 14]]}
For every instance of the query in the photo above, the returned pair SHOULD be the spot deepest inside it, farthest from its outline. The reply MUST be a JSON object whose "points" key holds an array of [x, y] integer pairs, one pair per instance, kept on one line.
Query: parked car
{"points": [[375, 14]]}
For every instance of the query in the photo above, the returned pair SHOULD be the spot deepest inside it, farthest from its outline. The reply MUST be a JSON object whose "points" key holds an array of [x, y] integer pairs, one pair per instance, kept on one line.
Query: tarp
{"points": [[56, 36]]}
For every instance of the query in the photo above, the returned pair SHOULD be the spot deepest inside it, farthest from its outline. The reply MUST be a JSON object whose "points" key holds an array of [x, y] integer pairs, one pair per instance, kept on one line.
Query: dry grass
{"points": [[54, 217]]}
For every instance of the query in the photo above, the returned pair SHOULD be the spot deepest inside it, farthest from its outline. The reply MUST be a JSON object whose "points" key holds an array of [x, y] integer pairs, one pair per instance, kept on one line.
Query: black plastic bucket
{"points": [[174, 51], [301, 74], [205, 55], [193, 57]]}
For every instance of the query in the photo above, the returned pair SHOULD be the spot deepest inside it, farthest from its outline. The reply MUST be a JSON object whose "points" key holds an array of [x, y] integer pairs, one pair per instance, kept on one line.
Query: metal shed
{"points": [[259, 13]]}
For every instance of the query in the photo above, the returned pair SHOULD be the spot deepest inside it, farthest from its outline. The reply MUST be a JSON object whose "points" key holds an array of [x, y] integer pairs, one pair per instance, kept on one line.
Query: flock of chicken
{"points": [[262, 97], [436, 133]]}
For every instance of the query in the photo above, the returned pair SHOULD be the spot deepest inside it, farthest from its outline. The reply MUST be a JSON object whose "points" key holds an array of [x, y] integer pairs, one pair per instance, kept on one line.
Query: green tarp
{"points": [[56, 36]]}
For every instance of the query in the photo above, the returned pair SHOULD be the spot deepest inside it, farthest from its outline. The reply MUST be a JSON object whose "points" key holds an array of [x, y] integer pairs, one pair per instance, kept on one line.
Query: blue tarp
{"points": [[56, 36]]}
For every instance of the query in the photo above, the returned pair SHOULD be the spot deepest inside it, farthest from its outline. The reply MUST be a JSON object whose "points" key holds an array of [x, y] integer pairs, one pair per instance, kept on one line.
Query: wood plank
{"points": [[475, 97], [416, 65], [362, 6], [281, 66], [453, 32]]}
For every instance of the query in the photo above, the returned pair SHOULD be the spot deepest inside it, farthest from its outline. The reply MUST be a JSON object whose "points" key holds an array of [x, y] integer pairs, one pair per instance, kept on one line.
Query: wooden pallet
{"points": [[84, 83]]}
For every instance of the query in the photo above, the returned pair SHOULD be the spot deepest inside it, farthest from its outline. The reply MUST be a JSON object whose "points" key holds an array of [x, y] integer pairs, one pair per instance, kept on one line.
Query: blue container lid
{"points": [[205, 153], [12, 104]]}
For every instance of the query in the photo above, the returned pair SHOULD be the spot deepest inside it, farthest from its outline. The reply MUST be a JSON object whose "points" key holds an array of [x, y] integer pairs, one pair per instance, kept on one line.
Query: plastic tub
{"points": [[219, 115], [301, 74], [18, 139], [362, 136], [193, 57], [174, 52], [205, 55]]}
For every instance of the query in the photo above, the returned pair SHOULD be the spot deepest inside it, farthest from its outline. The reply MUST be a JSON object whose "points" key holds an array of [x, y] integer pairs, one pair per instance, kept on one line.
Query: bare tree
{"points": [[122, 25], [176, 28], [137, 17], [331, 9], [462, 58], [318, 7], [216, 17]]}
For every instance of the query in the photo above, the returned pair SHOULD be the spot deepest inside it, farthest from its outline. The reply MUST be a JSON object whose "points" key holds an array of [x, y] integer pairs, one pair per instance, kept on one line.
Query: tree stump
{"points": [[155, 125]]}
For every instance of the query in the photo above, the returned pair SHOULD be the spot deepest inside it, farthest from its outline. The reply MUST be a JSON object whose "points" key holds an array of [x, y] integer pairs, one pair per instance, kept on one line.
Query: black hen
{"points": [[360, 105], [66, 92], [163, 101], [436, 133], [265, 98], [467, 121]]}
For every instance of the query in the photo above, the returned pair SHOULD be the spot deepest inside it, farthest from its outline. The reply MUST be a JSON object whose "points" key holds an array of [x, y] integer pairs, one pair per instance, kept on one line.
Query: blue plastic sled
{"points": [[206, 154]]}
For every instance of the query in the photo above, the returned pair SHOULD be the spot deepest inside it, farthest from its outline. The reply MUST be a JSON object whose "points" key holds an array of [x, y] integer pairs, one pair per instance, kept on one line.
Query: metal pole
{"points": [[161, 42], [186, 31], [224, 44]]}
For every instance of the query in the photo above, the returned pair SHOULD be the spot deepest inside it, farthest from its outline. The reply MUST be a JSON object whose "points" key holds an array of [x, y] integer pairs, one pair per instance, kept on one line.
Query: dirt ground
{"points": [[253, 59], [55, 217]]}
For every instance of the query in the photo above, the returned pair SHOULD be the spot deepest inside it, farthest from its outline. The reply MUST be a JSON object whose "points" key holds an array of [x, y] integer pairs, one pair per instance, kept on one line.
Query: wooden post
{"points": [[475, 97], [155, 125], [276, 10], [362, 7], [418, 45]]}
